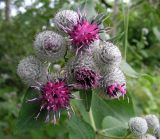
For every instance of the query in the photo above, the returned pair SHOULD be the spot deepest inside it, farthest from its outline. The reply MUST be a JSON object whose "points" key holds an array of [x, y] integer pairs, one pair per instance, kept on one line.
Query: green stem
{"points": [[65, 55], [126, 23], [92, 119], [108, 129], [101, 134], [127, 135], [48, 67]]}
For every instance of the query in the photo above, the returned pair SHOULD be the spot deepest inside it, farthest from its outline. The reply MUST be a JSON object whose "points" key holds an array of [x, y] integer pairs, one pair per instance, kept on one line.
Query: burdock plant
{"points": [[92, 64]]}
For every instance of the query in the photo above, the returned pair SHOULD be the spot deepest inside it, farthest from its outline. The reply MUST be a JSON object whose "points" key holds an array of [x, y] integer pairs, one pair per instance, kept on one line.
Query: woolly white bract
{"points": [[31, 70], [115, 78], [66, 19], [152, 121], [138, 126], [49, 46], [107, 55]]}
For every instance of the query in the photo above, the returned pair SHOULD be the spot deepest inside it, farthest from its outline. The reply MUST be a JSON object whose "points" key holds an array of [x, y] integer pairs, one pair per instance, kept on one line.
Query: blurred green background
{"points": [[20, 20]]}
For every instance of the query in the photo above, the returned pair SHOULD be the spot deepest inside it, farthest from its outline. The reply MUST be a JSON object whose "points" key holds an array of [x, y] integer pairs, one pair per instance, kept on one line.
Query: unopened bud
{"points": [[138, 126]]}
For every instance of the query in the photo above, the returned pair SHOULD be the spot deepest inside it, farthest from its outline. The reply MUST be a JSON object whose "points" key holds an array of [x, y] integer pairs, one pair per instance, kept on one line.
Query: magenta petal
{"points": [[84, 33]]}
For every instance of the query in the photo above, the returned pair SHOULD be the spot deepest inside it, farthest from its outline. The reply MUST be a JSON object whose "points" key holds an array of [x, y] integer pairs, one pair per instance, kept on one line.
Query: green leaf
{"points": [[89, 8], [117, 37], [112, 127], [28, 112], [79, 129], [156, 33], [120, 109], [148, 77], [101, 17], [128, 70], [86, 97]]}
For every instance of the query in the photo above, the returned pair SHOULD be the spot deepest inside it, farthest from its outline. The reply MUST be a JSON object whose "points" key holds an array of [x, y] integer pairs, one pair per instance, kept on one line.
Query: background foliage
{"points": [[142, 44]]}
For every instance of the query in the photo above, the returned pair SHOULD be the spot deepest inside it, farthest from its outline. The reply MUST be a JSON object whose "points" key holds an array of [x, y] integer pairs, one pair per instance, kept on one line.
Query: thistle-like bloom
{"points": [[115, 88], [83, 34], [138, 126], [108, 55], [54, 96], [152, 121], [50, 46], [83, 72], [113, 84], [81, 31], [31, 70], [86, 78]]}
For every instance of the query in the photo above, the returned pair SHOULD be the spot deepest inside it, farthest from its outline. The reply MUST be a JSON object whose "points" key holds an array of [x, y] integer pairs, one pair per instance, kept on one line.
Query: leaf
{"points": [[148, 77], [112, 127], [79, 129], [78, 106], [89, 8], [86, 97], [128, 70], [120, 109], [28, 111], [115, 38], [156, 33], [100, 18]]}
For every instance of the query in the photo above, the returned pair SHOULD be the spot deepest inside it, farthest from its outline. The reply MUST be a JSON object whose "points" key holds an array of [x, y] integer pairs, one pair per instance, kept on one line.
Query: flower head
{"points": [[86, 78], [113, 84], [108, 55], [152, 121], [49, 46], [80, 30], [138, 126], [54, 96], [116, 88], [31, 70], [83, 72], [83, 34]]}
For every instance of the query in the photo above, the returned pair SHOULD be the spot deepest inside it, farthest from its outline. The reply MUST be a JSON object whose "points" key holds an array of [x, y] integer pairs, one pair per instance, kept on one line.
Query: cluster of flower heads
{"points": [[139, 126], [94, 63]]}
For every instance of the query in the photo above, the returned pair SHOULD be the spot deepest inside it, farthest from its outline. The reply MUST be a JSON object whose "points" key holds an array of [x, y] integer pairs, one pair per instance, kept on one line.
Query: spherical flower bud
{"points": [[108, 55], [147, 136], [113, 84], [66, 19], [152, 121], [31, 70], [157, 132], [49, 46], [138, 126], [83, 72]]}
